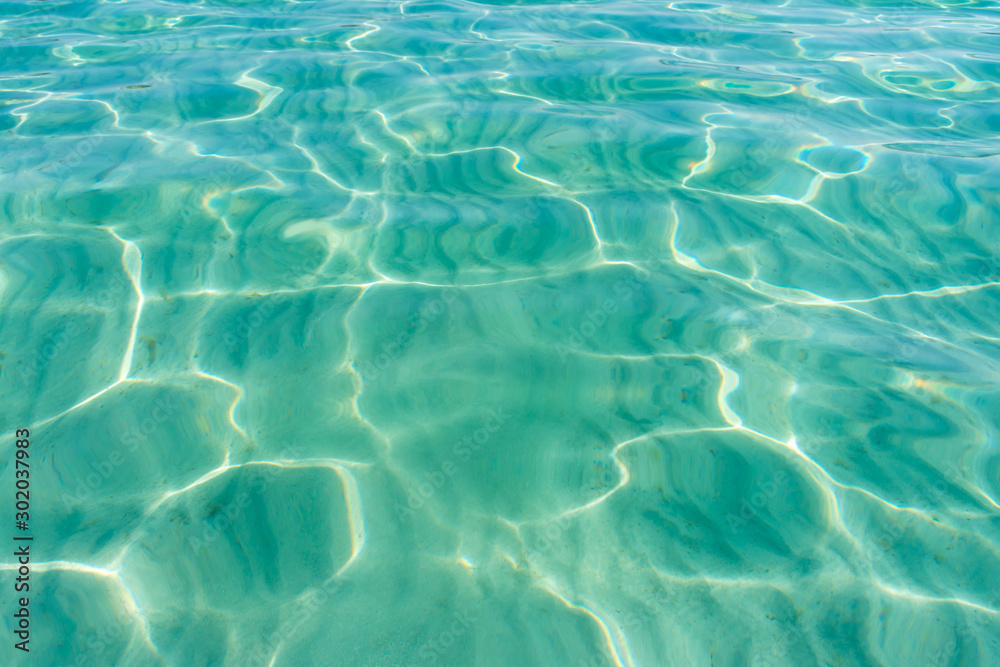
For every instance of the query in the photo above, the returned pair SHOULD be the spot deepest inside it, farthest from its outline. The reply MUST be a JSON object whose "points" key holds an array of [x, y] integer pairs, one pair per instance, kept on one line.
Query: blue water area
{"points": [[503, 333]]}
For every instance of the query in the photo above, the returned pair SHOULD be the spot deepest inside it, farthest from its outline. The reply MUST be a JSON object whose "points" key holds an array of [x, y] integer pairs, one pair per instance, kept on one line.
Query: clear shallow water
{"points": [[446, 333]]}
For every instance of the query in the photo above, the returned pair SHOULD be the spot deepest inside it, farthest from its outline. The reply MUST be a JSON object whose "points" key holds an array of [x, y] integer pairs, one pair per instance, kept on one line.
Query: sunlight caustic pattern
{"points": [[504, 333]]}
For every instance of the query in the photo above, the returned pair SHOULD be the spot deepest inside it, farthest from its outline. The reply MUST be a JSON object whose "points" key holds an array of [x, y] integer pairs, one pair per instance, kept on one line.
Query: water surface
{"points": [[504, 333]]}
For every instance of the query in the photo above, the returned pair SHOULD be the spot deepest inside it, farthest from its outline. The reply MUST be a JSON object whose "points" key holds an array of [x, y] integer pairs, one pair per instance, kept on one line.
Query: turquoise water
{"points": [[503, 333]]}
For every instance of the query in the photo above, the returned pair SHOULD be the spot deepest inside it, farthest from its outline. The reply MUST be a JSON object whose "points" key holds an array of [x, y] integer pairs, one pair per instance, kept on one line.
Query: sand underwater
{"points": [[513, 334]]}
